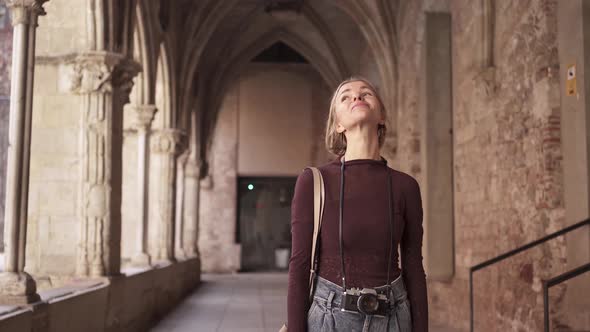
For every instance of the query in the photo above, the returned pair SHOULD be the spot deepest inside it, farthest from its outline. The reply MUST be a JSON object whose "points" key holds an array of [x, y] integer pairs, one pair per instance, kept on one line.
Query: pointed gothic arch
{"points": [[230, 72]]}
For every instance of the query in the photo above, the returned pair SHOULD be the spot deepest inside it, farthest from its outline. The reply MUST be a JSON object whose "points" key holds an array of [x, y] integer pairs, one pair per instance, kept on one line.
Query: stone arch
{"points": [[382, 40], [327, 36], [145, 52], [139, 93], [378, 25], [186, 101], [309, 14], [204, 31], [220, 86], [164, 88], [204, 24], [110, 26], [330, 76]]}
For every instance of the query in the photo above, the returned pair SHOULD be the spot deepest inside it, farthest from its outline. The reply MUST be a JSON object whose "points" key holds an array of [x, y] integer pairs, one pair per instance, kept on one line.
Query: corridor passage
{"points": [[246, 302]]}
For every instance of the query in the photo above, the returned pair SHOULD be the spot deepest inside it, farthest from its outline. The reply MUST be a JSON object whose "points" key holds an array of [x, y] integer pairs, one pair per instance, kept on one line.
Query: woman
{"points": [[358, 245]]}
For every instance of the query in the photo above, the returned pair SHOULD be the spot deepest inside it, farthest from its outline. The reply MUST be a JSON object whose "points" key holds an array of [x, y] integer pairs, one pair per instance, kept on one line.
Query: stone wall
{"points": [[507, 157], [5, 65], [54, 175], [218, 198], [573, 28], [131, 303], [274, 122]]}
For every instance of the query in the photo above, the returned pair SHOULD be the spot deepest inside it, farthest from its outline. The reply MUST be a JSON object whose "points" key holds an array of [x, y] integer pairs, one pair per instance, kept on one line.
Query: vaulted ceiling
{"points": [[208, 42]]}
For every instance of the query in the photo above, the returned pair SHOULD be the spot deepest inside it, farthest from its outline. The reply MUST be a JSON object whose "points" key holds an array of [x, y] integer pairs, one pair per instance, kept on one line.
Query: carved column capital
{"points": [[101, 72], [168, 141], [123, 75], [25, 11], [144, 115], [93, 72]]}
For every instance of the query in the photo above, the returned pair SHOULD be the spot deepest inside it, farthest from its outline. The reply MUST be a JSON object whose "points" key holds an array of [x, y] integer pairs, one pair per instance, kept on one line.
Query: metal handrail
{"points": [[555, 281], [512, 253]]}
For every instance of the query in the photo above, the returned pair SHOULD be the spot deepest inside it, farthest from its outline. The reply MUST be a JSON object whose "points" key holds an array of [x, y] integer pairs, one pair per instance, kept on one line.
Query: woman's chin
{"points": [[364, 116], [364, 123]]}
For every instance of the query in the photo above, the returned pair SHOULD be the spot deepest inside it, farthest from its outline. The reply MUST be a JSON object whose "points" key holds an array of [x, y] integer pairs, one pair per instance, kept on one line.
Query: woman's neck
{"points": [[362, 145]]}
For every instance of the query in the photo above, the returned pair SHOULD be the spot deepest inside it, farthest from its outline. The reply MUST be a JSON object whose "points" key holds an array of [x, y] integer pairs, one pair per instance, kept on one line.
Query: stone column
{"points": [[191, 206], [104, 80], [144, 117], [16, 286], [180, 253], [166, 145]]}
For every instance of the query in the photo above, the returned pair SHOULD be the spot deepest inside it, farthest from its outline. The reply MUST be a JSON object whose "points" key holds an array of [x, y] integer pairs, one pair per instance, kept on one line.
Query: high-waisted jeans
{"points": [[325, 314]]}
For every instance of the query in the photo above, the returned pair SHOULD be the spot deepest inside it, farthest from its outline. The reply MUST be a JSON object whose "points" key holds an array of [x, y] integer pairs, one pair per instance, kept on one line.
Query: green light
{"points": [[250, 186]]}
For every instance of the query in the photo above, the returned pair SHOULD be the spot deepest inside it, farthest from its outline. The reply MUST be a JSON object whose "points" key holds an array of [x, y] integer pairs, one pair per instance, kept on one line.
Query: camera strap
{"points": [[341, 217], [319, 193]]}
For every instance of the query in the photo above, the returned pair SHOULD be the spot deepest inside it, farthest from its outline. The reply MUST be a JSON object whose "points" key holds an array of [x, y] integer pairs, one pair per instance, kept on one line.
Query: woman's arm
{"points": [[411, 257], [300, 262]]}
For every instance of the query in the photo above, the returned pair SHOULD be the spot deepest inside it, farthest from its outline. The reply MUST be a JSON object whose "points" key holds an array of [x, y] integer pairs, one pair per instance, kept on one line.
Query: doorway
{"points": [[264, 222]]}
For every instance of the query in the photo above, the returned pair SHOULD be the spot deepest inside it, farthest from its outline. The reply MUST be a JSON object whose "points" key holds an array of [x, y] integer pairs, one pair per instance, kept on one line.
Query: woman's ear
{"points": [[340, 129]]}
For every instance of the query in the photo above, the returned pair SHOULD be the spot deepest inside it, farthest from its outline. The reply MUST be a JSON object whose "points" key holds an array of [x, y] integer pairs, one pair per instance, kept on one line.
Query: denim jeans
{"points": [[325, 314]]}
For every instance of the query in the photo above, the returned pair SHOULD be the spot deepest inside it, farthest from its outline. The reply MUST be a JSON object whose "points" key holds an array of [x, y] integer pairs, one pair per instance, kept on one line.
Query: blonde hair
{"points": [[336, 142]]}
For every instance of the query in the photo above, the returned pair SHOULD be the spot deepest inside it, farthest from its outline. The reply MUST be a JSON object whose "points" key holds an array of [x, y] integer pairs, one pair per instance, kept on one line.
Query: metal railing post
{"points": [[546, 305], [471, 299]]}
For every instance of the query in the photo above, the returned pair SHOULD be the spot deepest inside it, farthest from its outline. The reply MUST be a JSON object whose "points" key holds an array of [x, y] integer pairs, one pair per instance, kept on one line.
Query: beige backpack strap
{"points": [[318, 212]]}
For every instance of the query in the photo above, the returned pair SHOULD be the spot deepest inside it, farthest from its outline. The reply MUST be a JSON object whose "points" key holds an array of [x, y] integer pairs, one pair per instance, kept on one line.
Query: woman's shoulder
{"points": [[305, 177], [325, 168], [405, 180]]}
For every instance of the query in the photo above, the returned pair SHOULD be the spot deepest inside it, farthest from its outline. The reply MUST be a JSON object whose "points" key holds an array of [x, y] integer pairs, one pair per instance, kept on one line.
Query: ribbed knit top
{"points": [[365, 235]]}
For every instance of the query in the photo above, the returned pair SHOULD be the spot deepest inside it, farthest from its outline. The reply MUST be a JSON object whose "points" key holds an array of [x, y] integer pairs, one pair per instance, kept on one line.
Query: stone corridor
{"points": [[248, 302], [147, 145], [244, 302]]}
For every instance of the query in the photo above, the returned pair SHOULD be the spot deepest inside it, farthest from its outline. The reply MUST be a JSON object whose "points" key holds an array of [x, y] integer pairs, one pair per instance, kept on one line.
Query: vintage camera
{"points": [[365, 300]]}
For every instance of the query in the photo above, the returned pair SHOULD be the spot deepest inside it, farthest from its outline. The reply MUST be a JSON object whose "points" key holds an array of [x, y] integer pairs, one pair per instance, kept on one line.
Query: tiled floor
{"points": [[248, 302], [222, 303]]}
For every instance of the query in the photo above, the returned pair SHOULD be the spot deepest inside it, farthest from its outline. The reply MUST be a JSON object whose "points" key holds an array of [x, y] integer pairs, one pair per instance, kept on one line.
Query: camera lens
{"points": [[368, 304]]}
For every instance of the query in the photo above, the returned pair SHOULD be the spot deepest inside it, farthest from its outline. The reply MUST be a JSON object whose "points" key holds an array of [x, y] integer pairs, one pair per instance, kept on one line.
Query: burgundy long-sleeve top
{"points": [[366, 235]]}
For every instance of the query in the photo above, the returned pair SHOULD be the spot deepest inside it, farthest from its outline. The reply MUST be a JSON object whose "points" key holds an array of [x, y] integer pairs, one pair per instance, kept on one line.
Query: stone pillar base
{"points": [[141, 260], [192, 252], [17, 289], [164, 255], [166, 260], [181, 255], [169, 260]]}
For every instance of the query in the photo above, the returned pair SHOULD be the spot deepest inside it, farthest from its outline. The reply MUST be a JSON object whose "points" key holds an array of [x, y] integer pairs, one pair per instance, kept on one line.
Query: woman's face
{"points": [[356, 104]]}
